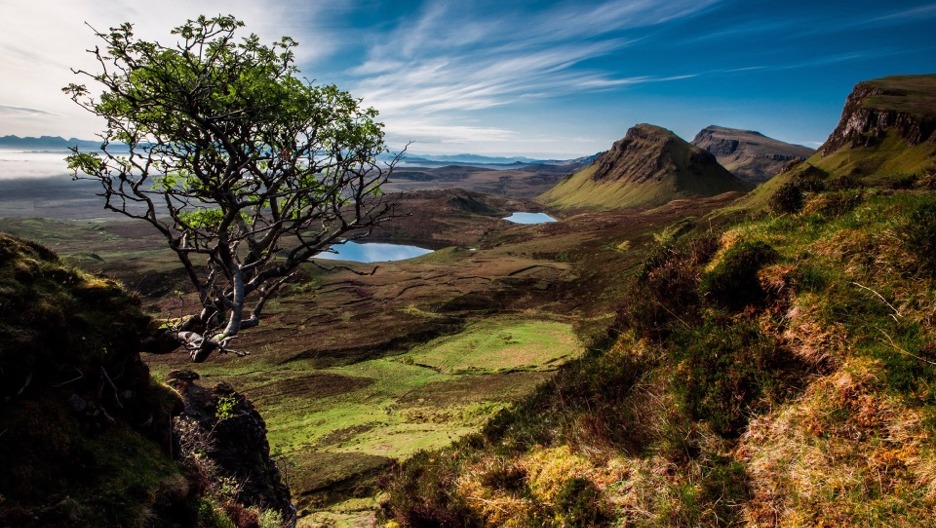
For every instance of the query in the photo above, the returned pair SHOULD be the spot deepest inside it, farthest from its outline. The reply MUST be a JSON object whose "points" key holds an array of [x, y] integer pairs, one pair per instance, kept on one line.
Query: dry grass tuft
{"points": [[726, 241], [499, 507], [841, 454], [548, 469], [777, 280], [907, 429], [817, 344], [842, 245]]}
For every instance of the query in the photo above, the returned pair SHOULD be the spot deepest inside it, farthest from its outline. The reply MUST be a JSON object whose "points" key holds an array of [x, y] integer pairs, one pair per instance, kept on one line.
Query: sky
{"points": [[544, 79]]}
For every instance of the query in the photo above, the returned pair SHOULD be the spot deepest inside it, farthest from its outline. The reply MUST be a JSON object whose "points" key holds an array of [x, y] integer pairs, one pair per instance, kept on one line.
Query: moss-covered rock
{"points": [[86, 435], [84, 432]]}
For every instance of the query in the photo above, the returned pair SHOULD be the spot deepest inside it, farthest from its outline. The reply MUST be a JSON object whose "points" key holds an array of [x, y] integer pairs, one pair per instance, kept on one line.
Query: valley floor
{"points": [[355, 372]]}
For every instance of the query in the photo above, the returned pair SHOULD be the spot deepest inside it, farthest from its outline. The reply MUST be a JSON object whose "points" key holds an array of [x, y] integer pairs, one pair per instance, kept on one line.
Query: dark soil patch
{"points": [[309, 386], [338, 436], [476, 389], [327, 478]]}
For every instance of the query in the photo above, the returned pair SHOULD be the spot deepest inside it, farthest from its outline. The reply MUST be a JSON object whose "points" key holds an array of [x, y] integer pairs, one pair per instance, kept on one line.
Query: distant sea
{"points": [[31, 163], [37, 184]]}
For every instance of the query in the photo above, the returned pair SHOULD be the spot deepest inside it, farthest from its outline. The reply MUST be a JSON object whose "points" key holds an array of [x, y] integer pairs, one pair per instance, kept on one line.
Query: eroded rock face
{"points": [[230, 437], [864, 123], [646, 153]]}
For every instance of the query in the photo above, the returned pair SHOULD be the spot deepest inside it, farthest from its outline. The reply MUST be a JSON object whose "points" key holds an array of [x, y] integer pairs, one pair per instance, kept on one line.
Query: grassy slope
{"points": [[63, 463], [882, 164], [580, 190], [887, 163], [814, 403], [912, 94]]}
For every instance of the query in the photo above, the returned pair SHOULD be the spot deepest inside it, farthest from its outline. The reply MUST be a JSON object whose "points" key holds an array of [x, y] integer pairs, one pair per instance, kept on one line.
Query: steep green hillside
{"points": [[649, 166], [83, 432], [778, 373]]}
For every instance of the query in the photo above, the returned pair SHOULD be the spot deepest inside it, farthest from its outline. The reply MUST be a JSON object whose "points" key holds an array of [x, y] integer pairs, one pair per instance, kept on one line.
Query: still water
{"points": [[372, 252], [530, 218]]}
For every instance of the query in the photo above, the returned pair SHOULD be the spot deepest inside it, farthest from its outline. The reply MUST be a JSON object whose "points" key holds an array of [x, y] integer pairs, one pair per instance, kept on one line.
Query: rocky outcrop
{"points": [[87, 438], [649, 166], [905, 104], [228, 435], [84, 431], [747, 154], [886, 137]]}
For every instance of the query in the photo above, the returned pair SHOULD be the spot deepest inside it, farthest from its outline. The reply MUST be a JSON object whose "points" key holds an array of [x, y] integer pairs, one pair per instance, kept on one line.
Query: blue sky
{"points": [[538, 78]]}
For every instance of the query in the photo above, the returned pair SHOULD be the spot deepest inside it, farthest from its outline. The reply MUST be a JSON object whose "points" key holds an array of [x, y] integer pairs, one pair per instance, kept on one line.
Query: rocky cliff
{"points": [[649, 166], [749, 155], [886, 137], [905, 104]]}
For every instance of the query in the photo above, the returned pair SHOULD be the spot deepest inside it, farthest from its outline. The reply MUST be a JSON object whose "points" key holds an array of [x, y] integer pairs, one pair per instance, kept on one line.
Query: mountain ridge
{"points": [[748, 154], [46, 142], [649, 166]]}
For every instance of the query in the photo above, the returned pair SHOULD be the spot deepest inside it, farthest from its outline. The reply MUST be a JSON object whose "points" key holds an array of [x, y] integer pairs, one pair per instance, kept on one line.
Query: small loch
{"points": [[530, 218], [372, 252]]}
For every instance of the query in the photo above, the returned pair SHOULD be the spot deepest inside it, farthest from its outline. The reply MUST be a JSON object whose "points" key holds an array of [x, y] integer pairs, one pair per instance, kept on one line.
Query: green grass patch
{"points": [[498, 345], [396, 406], [729, 371], [913, 94]]}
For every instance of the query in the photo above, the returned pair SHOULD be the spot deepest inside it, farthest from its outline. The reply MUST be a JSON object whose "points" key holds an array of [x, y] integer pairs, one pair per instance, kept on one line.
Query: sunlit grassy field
{"points": [[329, 424]]}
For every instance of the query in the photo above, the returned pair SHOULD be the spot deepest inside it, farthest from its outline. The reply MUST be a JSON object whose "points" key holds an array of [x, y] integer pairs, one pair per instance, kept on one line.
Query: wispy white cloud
{"points": [[430, 137], [728, 33], [20, 110], [860, 55], [577, 19], [453, 60], [917, 13], [499, 76], [599, 83], [423, 132], [864, 21]]}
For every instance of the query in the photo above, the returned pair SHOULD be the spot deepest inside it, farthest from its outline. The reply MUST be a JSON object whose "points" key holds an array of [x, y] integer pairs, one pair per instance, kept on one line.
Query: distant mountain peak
{"points": [[716, 129], [649, 166], [748, 154], [643, 154], [47, 142]]}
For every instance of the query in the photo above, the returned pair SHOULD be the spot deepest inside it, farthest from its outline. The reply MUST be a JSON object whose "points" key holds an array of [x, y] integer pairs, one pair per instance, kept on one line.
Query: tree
{"points": [[247, 170]]}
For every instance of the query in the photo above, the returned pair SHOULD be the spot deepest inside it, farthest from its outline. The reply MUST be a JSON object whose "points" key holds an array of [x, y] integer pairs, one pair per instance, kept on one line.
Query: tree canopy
{"points": [[245, 168]]}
